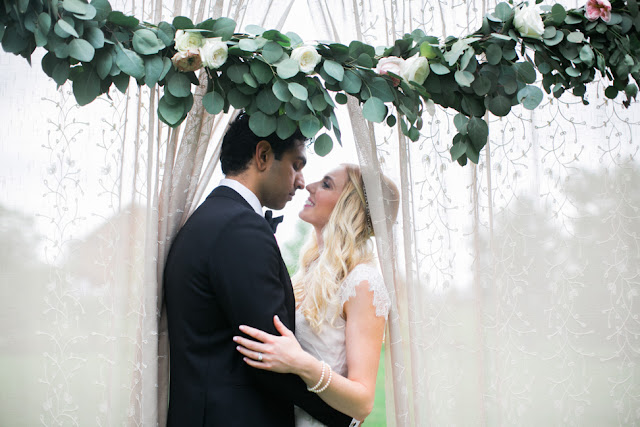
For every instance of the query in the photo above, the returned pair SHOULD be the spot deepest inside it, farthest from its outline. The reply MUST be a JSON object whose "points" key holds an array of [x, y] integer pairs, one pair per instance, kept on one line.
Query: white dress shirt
{"points": [[246, 194]]}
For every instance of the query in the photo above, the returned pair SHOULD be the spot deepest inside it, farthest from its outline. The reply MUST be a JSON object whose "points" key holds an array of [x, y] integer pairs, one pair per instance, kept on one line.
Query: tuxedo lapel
{"points": [[228, 192], [289, 298]]}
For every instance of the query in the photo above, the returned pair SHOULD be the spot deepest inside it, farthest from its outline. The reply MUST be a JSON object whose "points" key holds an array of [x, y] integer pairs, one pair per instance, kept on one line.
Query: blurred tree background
{"points": [[20, 269], [23, 277], [545, 304], [292, 246]]}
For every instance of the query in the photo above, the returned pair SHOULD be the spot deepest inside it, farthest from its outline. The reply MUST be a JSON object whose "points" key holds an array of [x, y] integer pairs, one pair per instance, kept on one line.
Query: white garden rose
{"points": [[307, 58], [188, 40], [214, 53], [415, 69], [528, 22]]}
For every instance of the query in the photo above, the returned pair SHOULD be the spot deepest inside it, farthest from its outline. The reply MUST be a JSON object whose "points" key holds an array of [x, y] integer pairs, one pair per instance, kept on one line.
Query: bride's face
{"points": [[323, 196]]}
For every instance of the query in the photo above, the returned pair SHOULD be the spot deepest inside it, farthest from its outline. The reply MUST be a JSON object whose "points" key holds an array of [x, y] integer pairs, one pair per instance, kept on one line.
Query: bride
{"points": [[341, 301]]}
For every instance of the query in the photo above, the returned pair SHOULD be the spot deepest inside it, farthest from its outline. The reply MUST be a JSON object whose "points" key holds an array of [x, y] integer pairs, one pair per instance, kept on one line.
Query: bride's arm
{"points": [[352, 395], [355, 394]]}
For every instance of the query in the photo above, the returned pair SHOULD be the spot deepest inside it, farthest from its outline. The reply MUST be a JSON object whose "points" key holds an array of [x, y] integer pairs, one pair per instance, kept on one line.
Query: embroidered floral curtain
{"points": [[515, 281]]}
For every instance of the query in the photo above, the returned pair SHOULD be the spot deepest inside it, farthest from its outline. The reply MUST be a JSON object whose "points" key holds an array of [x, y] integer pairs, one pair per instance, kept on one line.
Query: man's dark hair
{"points": [[239, 145]]}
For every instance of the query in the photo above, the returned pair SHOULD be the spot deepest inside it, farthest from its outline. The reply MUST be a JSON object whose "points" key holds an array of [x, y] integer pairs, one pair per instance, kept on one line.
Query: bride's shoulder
{"points": [[364, 271], [371, 274]]}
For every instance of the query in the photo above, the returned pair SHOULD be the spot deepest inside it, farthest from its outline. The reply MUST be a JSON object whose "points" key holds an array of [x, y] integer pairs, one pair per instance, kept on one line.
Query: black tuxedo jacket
{"points": [[224, 270]]}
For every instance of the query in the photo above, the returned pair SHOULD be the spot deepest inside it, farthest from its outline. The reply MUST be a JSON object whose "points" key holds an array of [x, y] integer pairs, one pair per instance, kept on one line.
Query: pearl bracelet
{"points": [[327, 384], [315, 387]]}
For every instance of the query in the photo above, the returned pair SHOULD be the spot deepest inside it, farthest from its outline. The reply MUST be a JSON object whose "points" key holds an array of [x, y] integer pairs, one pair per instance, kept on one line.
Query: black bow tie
{"points": [[273, 222]]}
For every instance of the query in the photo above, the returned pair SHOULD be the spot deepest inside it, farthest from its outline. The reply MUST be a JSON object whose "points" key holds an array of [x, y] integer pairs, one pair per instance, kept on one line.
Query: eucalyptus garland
{"points": [[283, 83]]}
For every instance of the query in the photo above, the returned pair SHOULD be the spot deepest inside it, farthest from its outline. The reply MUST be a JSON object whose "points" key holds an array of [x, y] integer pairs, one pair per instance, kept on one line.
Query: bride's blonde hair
{"points": [[346, 244]]}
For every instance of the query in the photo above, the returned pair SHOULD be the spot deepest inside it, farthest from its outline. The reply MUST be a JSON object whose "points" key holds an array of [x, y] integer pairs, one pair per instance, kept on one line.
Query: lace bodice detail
{"points": [[381, 300]]}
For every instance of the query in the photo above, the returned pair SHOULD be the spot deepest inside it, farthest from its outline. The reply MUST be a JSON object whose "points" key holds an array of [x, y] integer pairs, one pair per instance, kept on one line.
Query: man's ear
{"points": [[263, 155]]}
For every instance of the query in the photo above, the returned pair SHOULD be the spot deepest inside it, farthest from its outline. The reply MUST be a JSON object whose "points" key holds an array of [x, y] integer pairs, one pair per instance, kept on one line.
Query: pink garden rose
{"points": [[188, 60], [598, 9], [391, 64]]}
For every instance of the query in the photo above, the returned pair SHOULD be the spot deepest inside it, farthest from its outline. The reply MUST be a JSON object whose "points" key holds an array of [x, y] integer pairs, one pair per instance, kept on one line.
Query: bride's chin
{"points": [[302, 216]]}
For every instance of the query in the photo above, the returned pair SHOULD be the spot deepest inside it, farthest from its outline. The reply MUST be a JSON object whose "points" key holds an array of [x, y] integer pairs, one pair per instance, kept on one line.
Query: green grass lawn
{"points": [[378, 417]]}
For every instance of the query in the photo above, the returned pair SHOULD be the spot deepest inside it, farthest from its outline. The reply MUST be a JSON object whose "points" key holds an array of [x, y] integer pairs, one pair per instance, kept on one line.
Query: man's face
{"points": [[284, 177]]}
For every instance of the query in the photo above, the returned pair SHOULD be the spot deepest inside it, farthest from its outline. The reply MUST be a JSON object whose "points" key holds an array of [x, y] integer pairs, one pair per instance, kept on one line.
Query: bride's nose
{"points": [[311, 187]]}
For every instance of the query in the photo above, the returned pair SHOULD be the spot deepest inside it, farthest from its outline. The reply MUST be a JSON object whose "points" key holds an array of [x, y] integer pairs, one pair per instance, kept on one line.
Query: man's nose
{"points": [[299, 184]]}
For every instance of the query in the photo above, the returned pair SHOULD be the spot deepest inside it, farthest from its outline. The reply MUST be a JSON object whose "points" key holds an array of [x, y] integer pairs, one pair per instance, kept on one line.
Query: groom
{"points": [[224, 269]]}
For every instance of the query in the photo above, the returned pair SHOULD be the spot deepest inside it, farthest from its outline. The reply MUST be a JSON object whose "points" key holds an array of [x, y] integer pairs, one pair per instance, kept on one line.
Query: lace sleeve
{"points": [[381, 300]]}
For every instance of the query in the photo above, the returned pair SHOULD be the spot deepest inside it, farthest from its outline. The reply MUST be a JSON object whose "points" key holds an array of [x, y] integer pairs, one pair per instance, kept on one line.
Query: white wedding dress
{"points": [[329, 345]]}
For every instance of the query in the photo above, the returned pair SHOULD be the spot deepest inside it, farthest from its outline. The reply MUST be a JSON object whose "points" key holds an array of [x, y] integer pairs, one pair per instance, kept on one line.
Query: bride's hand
{"points": [[281, 354]]}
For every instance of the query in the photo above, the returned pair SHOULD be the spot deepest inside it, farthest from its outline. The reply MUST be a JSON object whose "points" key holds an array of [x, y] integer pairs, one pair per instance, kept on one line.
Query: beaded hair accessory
{"points": [[362, 192]]}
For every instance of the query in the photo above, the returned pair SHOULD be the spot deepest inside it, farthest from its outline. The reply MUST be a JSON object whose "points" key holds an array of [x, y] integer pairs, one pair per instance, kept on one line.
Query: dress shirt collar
{"points": [[246, 194]]}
